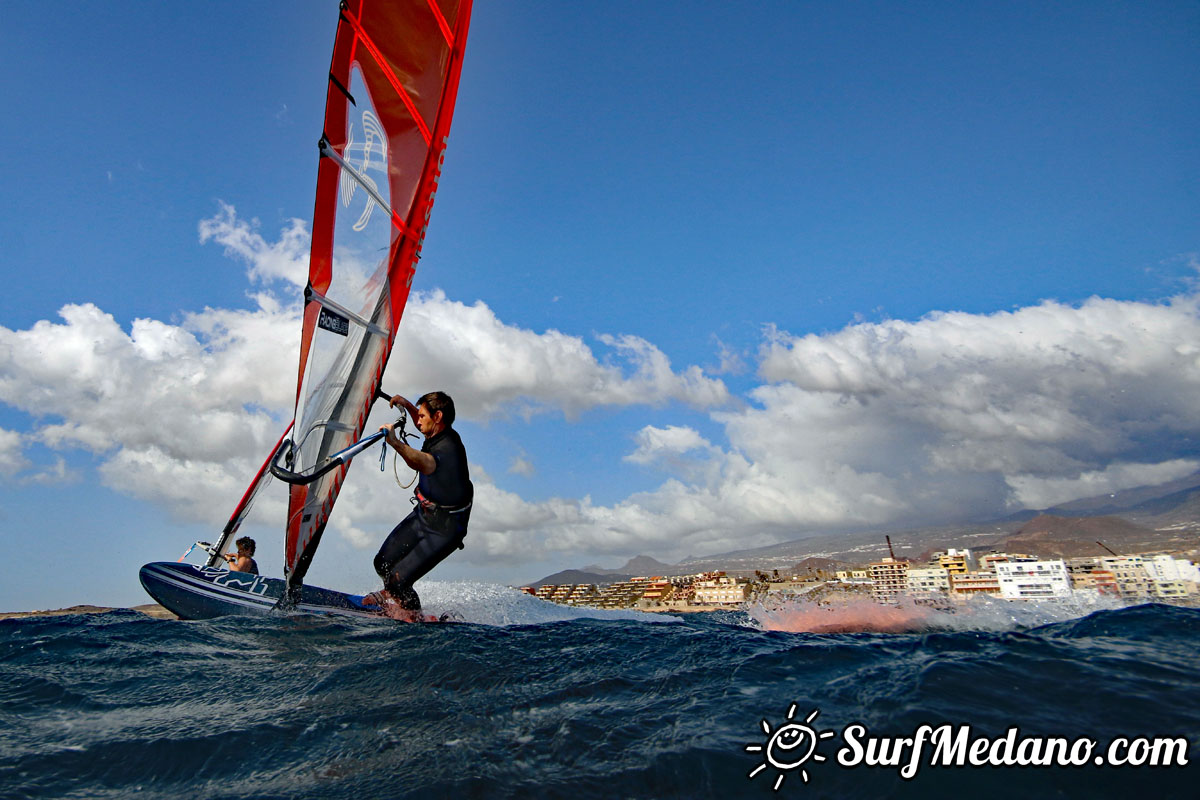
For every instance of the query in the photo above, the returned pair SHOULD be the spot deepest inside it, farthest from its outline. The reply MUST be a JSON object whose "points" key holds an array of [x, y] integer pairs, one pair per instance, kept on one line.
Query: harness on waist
{"points": [[429, 505]]}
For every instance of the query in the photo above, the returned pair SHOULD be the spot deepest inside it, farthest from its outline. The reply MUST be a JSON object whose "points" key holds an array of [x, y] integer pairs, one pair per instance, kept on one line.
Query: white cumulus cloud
{"points": [[978, 409], [673, 440], [285, 259], [12, 457], [493, 369], [1043, 492], [521, 466], [951, 417]]}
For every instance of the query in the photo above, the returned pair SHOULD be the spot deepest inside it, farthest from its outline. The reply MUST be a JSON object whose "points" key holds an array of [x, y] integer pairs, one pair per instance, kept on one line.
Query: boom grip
{"points": [[333, 462]]}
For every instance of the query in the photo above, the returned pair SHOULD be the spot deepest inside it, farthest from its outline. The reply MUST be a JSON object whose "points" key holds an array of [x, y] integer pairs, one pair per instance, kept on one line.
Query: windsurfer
{"points": [[244, 560], [437, 525]]}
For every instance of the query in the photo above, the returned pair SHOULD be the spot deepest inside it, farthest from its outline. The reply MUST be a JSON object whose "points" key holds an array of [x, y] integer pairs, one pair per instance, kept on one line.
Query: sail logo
{"points": [[370, 154], [333, 322], [254, 584], [793, 744], [789, 747]]}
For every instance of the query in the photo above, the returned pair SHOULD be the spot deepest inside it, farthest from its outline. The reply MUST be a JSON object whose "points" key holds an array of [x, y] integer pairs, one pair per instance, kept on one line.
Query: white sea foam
{"points": [[492, 604], [993, 613]]}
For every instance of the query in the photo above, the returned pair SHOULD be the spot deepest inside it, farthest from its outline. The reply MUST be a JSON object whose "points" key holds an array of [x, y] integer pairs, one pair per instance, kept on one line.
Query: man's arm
{"points": [[238, 563], [423, 463], [401, 400]]}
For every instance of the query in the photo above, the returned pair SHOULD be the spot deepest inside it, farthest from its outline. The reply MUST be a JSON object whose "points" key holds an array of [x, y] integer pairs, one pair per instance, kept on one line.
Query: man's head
{"points": [[246, 545], [435, 412]]}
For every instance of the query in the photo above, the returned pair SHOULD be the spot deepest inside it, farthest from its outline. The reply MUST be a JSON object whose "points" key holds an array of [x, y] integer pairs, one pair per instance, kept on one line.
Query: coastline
{"points": [[158, 612], [686, 609], [149, 609]]}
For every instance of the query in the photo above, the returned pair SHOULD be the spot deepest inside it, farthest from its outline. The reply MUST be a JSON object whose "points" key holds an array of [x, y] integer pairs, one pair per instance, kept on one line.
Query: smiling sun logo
{"points": [[789, 746]]}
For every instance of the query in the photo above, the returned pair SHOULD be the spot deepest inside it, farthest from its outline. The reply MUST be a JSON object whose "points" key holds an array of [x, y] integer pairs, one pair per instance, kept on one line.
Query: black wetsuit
{"points": [[435, 528]]}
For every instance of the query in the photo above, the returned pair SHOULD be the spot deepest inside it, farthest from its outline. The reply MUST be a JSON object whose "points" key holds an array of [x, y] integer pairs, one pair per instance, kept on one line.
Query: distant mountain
{"points": [[1127, 500], [1051, 536], [645, 565], [571, 577], [638, 566], [1180, 508]]}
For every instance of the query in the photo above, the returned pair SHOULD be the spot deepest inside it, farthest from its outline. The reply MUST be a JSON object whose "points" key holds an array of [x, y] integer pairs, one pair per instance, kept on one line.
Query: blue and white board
{"points": [[194, 592]]}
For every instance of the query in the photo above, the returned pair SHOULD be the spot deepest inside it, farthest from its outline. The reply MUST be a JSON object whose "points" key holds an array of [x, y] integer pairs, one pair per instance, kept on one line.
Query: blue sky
{"points": [[737, 272]]}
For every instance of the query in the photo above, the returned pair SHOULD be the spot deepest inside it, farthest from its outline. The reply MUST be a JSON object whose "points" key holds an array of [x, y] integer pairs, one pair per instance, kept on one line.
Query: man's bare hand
{"points": [[402, 401]]}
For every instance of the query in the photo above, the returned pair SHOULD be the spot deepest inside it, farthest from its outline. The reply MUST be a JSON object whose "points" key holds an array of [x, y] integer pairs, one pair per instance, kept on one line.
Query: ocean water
{"points": [[527, 699]]}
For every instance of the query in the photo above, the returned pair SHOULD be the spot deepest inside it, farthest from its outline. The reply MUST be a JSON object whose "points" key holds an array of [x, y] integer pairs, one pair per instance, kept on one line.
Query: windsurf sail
{"points": [[392, 86]]}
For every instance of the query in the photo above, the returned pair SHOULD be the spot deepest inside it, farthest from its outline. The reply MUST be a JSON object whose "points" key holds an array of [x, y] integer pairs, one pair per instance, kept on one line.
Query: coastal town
{"points": [[945, 578]]}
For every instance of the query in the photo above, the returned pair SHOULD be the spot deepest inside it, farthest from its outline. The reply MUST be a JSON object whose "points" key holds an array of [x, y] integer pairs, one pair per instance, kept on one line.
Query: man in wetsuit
{"points": [[438, 524]]}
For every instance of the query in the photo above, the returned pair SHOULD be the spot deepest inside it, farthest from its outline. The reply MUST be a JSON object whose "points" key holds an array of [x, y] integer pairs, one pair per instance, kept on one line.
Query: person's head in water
{"points": [[429, 407], [246, 546]]}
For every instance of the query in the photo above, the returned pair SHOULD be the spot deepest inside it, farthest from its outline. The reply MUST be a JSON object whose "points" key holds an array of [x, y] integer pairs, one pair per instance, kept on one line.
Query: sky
{"points": [[700, 276]]}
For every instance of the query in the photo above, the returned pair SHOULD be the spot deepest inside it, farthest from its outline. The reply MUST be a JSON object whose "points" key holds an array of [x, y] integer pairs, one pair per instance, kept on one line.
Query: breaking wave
{"points": [[864, 615]]}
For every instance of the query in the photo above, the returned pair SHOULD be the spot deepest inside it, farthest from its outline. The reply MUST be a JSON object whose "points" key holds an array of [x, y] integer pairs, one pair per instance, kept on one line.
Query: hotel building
{"points": [[974, 583], [1023, 580], [889, 580], [928, 583]]}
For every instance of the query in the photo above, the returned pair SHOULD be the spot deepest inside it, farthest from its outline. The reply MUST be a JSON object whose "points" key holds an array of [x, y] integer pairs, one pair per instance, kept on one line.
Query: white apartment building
{"points": [[853, 576], [1172, 577], [987, 563], [1021, 580], [1167, 568], [719, 591], [925, 583]]}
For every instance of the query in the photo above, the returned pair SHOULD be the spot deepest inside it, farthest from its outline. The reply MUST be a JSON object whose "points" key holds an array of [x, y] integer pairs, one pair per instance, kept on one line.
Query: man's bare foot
{"points": [[390, 607], [382, 598]]}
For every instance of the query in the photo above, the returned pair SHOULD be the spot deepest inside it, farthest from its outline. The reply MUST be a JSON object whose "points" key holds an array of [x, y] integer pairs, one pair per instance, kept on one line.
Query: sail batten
{"points": [[368, 186], [391, 77], [442, 24]]}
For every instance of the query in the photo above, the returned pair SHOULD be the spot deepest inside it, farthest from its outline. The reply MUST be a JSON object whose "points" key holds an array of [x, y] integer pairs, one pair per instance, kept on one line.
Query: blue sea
{"points": [[526, 699]]}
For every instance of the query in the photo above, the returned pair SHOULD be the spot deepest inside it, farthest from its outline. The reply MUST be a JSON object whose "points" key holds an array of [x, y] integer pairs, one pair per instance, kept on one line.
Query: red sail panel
{"points": [[392, 86]]}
